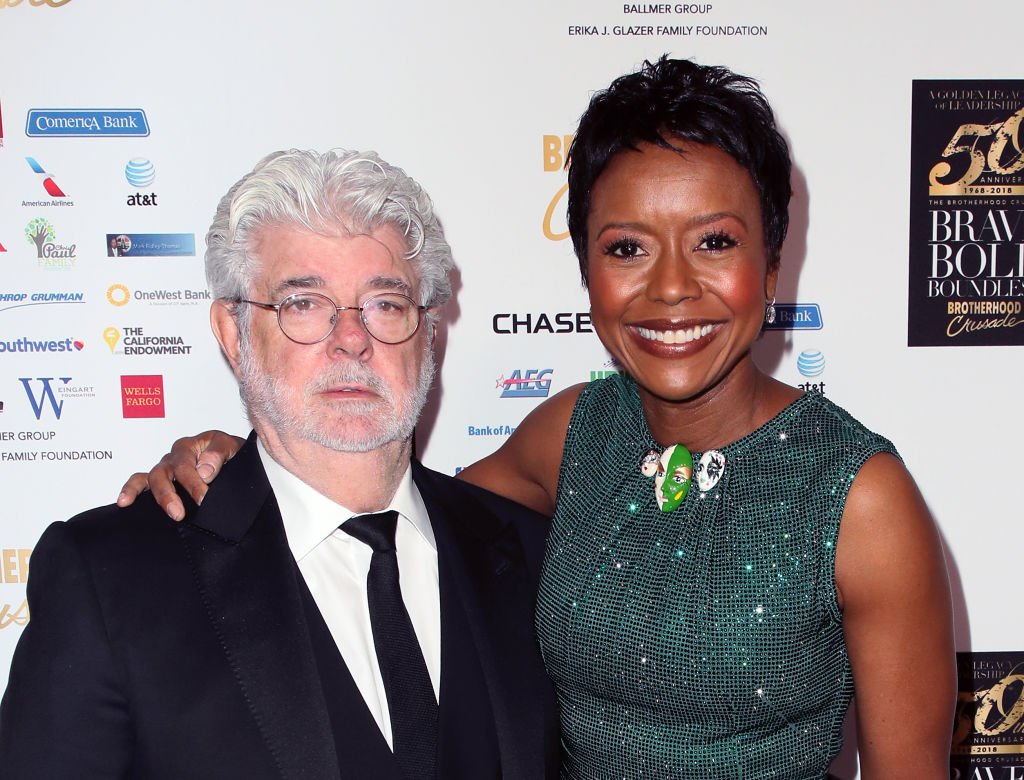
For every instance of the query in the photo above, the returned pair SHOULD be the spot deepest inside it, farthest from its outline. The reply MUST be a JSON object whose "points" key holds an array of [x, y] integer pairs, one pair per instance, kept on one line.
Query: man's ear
{"points": [[225, 328]]}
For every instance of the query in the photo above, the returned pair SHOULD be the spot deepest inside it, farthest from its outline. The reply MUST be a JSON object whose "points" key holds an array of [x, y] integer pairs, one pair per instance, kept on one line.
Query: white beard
{"points": [[361, 426]]}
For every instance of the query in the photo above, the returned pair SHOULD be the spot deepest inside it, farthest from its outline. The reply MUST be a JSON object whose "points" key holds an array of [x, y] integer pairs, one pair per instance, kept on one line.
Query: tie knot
{"points": [[376, 530]]}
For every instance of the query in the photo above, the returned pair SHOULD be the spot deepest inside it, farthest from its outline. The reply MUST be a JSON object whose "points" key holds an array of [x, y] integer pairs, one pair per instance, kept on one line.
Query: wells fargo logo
{"points": [[13, 571], [36, 3], [990, 149], [990, 720], [556, 148]]}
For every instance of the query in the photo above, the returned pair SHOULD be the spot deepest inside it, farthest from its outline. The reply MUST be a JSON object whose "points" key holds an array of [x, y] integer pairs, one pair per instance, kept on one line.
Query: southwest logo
{"points": [[796, 316], [46, 395], [86, 122], [48, 183], [531, 383], [25, 344], [1, 126], [142, 396]]}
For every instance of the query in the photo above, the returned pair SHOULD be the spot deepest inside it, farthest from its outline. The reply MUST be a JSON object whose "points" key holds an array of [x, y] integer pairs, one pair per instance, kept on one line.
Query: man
{"points": [[267, 635]]}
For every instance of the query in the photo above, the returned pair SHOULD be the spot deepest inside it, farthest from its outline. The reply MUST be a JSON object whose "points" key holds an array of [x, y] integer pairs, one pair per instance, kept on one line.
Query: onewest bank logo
{"points": [[86, 122]]}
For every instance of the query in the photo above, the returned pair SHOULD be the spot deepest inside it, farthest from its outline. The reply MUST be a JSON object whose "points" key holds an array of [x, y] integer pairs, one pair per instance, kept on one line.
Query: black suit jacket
{"points": [[165, 650]]}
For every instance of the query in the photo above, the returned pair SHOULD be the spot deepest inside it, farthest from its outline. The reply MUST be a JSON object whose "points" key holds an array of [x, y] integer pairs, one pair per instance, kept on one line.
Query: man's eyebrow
{"points": [[389, 283], [285, 286]]}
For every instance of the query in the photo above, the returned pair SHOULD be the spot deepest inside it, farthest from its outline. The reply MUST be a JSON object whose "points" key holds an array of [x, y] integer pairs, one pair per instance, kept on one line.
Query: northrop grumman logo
{"points": [[86, 122], [796, 316]]}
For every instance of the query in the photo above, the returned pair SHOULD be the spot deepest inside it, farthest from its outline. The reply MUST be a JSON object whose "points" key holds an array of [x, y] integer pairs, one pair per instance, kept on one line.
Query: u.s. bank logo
{"points": [[528, 383], [42, 396], [796, 316]]}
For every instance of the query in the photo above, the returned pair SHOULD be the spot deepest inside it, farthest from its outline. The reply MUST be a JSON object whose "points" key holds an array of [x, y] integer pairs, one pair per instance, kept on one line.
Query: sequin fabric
{"points": [[706, 642]]}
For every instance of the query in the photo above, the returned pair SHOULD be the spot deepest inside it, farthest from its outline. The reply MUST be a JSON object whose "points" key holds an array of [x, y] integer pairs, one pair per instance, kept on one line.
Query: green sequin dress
{"points": [[706, 642]]}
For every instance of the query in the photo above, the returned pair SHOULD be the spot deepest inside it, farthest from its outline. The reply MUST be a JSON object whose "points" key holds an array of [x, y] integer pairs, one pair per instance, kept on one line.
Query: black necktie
{"points": [[406, 680]]}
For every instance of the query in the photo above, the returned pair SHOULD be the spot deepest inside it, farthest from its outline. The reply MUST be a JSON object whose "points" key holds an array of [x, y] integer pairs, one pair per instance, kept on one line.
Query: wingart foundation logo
{"points": [[526, 383], [86, 122], [50, 253], [48, 394]]}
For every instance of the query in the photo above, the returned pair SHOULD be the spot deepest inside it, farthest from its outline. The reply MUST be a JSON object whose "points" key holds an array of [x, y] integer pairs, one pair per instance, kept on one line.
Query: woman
{"points": [[713, 621]]}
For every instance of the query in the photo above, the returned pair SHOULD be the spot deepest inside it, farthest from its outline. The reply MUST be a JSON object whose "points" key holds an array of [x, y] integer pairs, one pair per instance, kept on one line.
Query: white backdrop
{"points": [[463, 95]]}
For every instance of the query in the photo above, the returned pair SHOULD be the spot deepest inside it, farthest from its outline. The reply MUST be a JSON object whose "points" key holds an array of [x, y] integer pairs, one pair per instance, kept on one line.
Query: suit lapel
{"points": [[248, 579], [483, 567]]}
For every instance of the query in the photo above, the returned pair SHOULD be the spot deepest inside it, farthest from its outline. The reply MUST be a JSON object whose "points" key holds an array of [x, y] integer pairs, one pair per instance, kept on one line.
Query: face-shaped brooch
{"points": [[672, 481]]}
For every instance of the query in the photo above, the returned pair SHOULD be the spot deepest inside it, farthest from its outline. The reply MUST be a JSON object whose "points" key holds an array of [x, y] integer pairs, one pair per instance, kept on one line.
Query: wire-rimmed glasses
{"points": [[309, 318]]}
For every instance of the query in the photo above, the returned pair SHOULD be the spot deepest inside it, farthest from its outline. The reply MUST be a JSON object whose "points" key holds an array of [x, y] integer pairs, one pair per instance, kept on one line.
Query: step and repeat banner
{"points": [[122, 123]]}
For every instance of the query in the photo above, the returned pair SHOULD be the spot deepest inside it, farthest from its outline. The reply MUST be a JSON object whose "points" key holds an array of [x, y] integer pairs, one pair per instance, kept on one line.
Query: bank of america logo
{"points": [[48, 183]]}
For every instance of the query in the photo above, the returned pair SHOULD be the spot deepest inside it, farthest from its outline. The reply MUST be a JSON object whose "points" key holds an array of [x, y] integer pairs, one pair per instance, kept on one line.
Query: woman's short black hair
{"points": [[670, 101]]}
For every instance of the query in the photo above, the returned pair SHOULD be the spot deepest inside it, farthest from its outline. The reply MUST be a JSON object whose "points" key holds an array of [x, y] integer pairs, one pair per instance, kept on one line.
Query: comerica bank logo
{"points": [[86, 122], [526, 383], [796, 316]]}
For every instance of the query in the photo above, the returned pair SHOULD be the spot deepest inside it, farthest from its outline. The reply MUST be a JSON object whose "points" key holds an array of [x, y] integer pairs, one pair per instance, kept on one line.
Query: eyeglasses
{"points": [[309, 318]]}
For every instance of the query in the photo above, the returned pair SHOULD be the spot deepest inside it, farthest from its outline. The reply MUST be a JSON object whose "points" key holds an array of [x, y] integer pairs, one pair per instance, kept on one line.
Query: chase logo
{"points": [[531, 383], [86, 122], [796, 316]]}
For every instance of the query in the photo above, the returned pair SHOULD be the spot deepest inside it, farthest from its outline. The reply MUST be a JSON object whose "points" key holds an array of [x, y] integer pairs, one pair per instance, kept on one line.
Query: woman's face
{"points": [[678, 268]]}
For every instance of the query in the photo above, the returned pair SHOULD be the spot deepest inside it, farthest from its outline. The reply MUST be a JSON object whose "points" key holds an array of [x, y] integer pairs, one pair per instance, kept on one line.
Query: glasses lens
{"points": [[307, 317], [391, 318]]}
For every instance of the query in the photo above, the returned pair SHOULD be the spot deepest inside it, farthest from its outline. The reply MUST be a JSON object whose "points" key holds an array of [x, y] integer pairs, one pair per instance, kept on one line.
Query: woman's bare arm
{"points": [[897, 620], [525, 468]]}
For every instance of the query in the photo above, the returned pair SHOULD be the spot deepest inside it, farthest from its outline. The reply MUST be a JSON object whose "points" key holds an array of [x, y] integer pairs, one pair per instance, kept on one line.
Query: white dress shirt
{"points": [[335, 566]]}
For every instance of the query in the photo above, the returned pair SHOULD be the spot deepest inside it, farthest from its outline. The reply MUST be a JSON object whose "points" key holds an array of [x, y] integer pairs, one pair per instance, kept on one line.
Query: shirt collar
{"points": [[310, 517]]}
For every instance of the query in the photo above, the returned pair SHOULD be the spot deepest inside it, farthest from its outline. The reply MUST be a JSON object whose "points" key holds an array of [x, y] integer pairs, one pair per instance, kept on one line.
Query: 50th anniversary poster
{"points": [[966, 214]]}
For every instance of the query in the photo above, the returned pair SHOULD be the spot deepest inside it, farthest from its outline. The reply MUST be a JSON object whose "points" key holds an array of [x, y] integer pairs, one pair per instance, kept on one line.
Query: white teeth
{"points": [[683, 336]]}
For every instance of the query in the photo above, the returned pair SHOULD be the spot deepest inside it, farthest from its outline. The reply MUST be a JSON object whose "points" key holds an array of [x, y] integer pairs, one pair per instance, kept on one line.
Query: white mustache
{"points": [[348, 373]]}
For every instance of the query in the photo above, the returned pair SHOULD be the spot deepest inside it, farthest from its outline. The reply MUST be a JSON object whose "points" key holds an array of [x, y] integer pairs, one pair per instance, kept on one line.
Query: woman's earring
{"points": [[769, 312]]}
